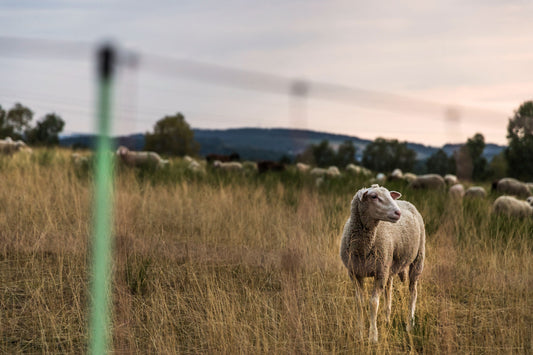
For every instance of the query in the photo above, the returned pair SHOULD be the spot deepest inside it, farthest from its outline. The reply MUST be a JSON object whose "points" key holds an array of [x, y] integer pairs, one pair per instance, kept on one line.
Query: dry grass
{"points": [[245, 265]]}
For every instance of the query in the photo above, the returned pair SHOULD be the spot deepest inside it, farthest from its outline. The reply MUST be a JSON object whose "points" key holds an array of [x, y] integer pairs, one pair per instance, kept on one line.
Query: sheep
{"points": [[301, 167], [318, 172], [396, 174], [380, 177], [511, 206], [510, 186], [228, 166], [8, 146], [382, 238], [451, 179], [354, 169], [188, 159], [357, 170], [475, 192], [429, 181], [194, 166], [456, 191], [409, 177], [333, 171], [131, 158], [79, 160], [250, 166]]}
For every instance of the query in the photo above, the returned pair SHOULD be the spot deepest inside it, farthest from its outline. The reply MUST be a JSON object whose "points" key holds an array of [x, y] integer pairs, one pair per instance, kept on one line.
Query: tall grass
{"points": [[228, 263]]}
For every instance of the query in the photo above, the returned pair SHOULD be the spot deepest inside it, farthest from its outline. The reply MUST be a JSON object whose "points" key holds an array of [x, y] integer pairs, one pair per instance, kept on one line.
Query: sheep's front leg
{"points": [[388, 298], [374, 305], [412, 305], [359, 289]]}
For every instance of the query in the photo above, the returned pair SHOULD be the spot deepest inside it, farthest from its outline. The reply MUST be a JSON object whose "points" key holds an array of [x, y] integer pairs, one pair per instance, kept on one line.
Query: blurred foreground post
{"points": [[99, 328]]}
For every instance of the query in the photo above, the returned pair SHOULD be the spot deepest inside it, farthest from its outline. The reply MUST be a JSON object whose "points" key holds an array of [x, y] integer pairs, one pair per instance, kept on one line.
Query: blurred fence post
{"points": [[99, 327]]}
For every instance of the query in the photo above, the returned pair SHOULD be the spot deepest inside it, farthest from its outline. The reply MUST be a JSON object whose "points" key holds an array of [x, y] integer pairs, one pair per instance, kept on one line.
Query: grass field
{"points": [[246, 264]]}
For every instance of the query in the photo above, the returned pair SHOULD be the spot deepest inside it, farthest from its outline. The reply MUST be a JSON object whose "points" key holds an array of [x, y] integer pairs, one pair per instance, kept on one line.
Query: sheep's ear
{"points": [[395, 195], [361, 194]]}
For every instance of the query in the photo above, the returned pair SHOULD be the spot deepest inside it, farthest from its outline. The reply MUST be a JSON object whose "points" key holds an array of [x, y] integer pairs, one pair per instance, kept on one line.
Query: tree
{"points": [[440, 163], [475, 147], [46, 132], [172, 136], [498, 166], [519, 152], [386, 155], [346, 154], [321, 154], [324, 155], [16, 122]]}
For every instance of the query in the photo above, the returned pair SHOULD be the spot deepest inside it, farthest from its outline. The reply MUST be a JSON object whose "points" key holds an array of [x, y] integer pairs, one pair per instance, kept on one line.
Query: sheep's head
{"points": [[530, 200], [122, 151], [379, 203]]}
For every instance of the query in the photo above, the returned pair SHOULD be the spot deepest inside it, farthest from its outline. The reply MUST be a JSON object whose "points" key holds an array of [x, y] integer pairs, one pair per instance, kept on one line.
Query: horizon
{"points": [[68, 134]]}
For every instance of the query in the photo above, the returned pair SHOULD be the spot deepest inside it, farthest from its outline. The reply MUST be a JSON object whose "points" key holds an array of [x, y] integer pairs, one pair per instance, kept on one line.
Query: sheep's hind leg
{"points": [[412, 305], [374, 305], [388, 299]]}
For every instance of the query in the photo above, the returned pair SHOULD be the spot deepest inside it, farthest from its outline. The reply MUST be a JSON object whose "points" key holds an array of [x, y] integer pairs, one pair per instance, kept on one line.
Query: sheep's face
{"points": [[122, 151], [530, 200], [380, 203]]}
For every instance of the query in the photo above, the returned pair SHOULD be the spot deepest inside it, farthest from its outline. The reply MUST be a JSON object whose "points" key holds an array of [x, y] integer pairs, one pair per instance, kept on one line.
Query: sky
{"points": [[426, 72]]}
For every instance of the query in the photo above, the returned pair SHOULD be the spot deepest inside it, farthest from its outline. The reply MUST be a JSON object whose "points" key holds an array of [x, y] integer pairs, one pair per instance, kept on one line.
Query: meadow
{"points": [[242, 264]]}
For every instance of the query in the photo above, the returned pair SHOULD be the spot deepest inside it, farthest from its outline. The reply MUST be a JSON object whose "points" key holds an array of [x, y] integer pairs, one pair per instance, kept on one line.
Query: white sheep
{"points": [[475, 192], [451, 179], [357, 170], [456, 191], [195, 167], [302, 167], [409, 177], [139, 159], [396, 174], [381, 178], [333, 171], [428, 181], [188, 158], [512, 206], [9, 146], [79, 160], [383, 238], [228, 166], [250, 166], [510, 186], [318, 172]]}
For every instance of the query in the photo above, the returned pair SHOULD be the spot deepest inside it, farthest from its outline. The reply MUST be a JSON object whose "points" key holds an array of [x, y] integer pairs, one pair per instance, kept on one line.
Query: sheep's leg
{"points": [[388, 298], [374, 305], [358, 289], [412, 305]]}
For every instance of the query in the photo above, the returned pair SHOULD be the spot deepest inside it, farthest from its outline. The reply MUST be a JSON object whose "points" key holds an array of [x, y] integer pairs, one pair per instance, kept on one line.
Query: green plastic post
{"points": [[99, 327]]}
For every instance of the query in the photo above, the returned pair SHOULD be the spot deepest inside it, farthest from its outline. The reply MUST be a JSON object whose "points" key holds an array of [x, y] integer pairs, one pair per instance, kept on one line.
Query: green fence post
{"points": [[99, 327]]}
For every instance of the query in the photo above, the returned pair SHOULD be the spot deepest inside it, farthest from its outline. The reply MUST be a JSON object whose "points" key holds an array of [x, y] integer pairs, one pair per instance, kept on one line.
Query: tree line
{"points": [[173, 136], [467, 162], [16, 124]]}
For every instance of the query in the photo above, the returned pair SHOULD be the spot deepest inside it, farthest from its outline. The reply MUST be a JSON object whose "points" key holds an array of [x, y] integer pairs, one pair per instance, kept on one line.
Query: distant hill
{"points": [[266, 143]]}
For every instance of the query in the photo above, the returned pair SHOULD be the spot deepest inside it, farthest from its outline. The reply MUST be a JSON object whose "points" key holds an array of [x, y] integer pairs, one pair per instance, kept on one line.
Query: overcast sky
{"points": [[426, 72]]}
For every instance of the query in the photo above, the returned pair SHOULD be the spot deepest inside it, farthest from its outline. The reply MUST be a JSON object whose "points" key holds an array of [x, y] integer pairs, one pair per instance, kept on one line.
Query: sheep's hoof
{"points": [[410, 325]]}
